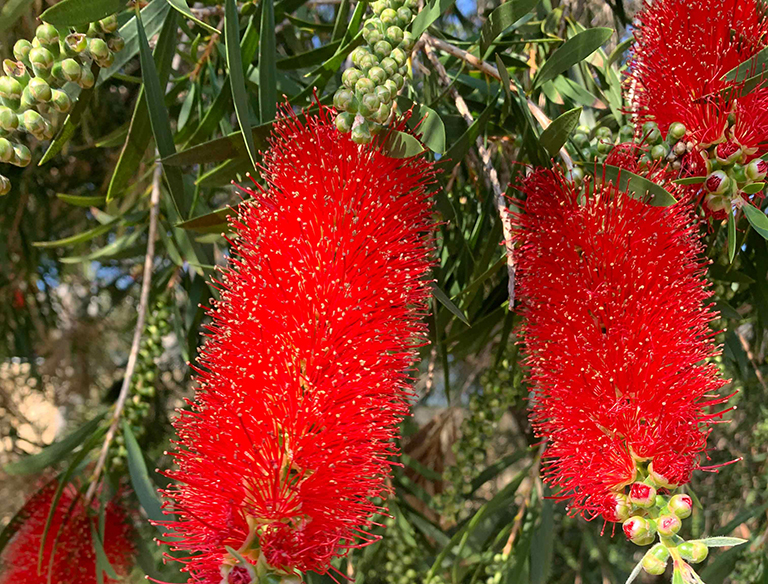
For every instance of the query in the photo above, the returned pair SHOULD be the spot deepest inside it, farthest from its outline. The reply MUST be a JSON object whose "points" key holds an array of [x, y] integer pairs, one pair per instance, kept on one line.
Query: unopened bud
{"points": [[364, 85], [377, 75], [655, 559], [98, 48], [108, 24], [9, 121], [21, 155], [404, 16], [382, 114], [5, 186], [399, 80], [676, 131], [105, 62], [86, 77], [616, 506], [681, 505], [10, 88], [17, 70], [369, 105], [344, 122], [383, 49], [384, 94], [394, 35], [342, 100], [34, 123], [40, 90], [47, 35], [388, 17], [680, 149], [6, 150], [361, 134], [757, 170], [576, 176], [668, 525], [71, 70], [639, 530], [392, 86], [728, 152], [61, 101], [659, 151], [21, 50], [693, 551], [75, 43], [41, 60], [718, 183], [716, 203], [408, 41], [115, 43], [399, 56], [659, 479], [642, 495], [350, 77]]}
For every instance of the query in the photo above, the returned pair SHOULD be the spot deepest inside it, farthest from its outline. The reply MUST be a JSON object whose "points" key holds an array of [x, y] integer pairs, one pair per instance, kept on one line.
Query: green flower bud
{"points": [[642, 495], [21, 155], [61, 101], [10, 88], [28, 100], [98, 48], [716, 203], [604, 146], [17, 70], [115, 43], [369, 105], [382, 49], [357, 54], [757, 170], [693, 551], [342, 99], [604, 133], [350, 77], [86, 77], [364, 85], [388, 17], [34, 123], [655, 559], [41, 60], [404, 16], [344, 122], [676, 131], [367, 61], [739, 173], [379, 6], [75, 43], [718, 183], [399, 80], [47, 35], [94, 30], [377, 75], [392, 86], [108, 24], [9, 121], [399, 56], [626, 133], [71, 70], [21, 50], [384, 95], [389, 65], [394, 35], [361, 134], [580, 139], [40, 90], [106, 62], [48, 131], [681, 505], [653, 137], [668, 525], [408, 41], [5, 186], [639, 530], [6, 150], [659, 151], [372, 36], [382, 114], [575, 175]]}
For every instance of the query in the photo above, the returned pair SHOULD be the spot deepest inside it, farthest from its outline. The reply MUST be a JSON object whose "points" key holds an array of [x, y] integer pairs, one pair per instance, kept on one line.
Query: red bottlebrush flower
{"points": [[683, 49], [615, 331], [69, 548], [304, 379]]}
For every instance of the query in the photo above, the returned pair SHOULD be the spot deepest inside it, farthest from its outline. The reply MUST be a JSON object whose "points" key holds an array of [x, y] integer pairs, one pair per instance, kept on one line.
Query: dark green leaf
{"points": [[213, 222], [310, 58], [753, 188], [267, 63], [639, 187], [76, 12], [117, 248], [691, 180], [448, 303], [459, 149], [183, 8], [425, 121], [220, 149], [757, 219], [225, 173], [340, 25], [543, 544], [556, 134], [82, 201], [502, 18], [429, 14], [236, 77], [620, 49], [401, 145], [505, 84], [78, 238], [573, 51], [55, 452], [754, 65], [721, 567], [731, 236], [102, 562], [142, 485]]}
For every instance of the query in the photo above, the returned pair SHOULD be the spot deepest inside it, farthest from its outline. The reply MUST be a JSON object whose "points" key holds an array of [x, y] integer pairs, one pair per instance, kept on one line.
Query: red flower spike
{"points": [[682, 50], [305, 375], [69, 551], [615, 334]]}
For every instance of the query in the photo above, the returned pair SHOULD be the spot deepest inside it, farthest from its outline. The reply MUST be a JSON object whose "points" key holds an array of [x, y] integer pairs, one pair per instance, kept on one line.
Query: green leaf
{"points": [[236, 76], [753, 188], [220, 149], [505, 84], [573, 51], [635, 572], [183, 8], [720, 541], [639, 187], [70, 124], [502, 18], [691, 180], [401, 145], [77, 12], [459, 149], [556, 134], [102, 562], [425, 121], [620, 49], [225, 173], [118, 248], [731, 236], [82, 201], [340, 25], [429, 14], [543, 544], [55, 452], [448, 303], [748, 68], [140, 481], [78, 238], [310, 58], [757, 219], [267, 63], [213, 222], [11, 12]]}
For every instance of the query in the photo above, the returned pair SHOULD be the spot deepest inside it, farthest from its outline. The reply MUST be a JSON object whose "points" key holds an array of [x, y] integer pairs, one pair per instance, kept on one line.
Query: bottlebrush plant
{"points": [[485, 304]]}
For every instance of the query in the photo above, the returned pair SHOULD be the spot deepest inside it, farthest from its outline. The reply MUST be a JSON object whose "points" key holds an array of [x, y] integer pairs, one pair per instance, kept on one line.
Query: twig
{"points": [[492, 71], [751, 357], [146, 284], [490, 171]]}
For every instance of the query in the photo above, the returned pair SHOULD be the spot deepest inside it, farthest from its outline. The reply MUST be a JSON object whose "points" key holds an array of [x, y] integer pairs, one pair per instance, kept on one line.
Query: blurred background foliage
{"points": [[468, 506]]}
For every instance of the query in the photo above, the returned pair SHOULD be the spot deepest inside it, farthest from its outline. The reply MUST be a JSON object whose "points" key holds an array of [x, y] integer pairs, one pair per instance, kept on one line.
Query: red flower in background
{"points": [[305, 376], [682, 50], [616, 331], [69, 548]]}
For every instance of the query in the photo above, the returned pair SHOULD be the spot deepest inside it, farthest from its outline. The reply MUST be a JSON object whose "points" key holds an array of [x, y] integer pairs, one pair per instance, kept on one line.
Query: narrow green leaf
{"points": [[753, 188], [11, 12], [619, 51], [455, 154], [236, 76], [213, 222], [756, 63], [443, 298], [267, 63], [102, 562], [183, 8], [70, 124], [225, 173], [401, 145], [77, 12], [757, 219], [140, 480], [120, 247], [639, 187], [78, 238], [720, 541], [429, 14], [573, 51], [731, 236], [556, 134], [55, 452], [82, 201], [310, 58], [691, 180], [425, 121], [505, 84], [220, 149], [340, 24], [502, 18], [543, 544]]}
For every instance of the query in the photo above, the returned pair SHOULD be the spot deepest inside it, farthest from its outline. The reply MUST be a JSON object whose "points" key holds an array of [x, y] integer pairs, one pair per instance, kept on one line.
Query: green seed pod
{"points": [[389, 65], [71, 70], [399, 80], [40, 90], [367, 61], [41, 60], [21, 50], [693, 551], [106, 62], [9, 121], [361, 134], [379, 6], [21, 155], [369, 105], [377, 75], [61, 101], [10, 88], [75, 44], [580, 139], [384, 94], [47, 35], [372, 36], [6, 150], [344, 122], [364, 85], [382, 114], [676, 131], [342, 100], [604, 133], [394, 35], [108, 24], [654, 561], [17, 70], [5, 186], [382, 49], [392, 86], [350, 77], [404, 16], [399, 56], [357, 54], [626, 133], [34, 123], [659, 151], [86, 77], [98, 48], [388, 17], [115, 43], [408, 41]]}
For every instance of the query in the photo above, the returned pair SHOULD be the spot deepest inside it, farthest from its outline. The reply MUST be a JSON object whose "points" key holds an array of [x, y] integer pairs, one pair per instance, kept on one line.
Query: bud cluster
{"points": [[143, 389], [405, 555], [40, 83], [370, 85]]}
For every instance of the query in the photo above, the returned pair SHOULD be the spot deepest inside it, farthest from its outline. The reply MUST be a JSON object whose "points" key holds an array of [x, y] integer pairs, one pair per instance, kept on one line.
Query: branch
{"points": [[492, 71], [490, 171], [146, 284]]}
